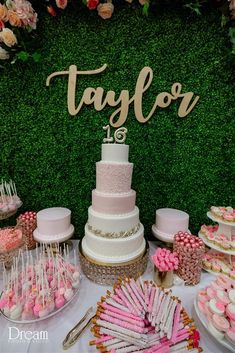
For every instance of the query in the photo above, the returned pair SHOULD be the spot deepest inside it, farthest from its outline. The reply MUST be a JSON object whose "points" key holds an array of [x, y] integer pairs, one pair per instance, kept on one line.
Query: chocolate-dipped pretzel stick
{"points": [[138, 317]]}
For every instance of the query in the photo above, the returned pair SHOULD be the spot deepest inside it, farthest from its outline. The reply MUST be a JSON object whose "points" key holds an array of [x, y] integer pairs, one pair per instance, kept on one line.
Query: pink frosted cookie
{"points": [[216, 307], [208, 312], [216, 333], [230, 311], [232, 324], [202, 296], [231, 295], [230, 336], [220, 323], [202, 307], [210, 292], [224, 281], [222, 296], [215, 285]]}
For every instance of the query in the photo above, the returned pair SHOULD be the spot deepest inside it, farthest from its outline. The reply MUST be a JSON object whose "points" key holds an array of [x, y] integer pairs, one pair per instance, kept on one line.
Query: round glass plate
{"points": [[45, 317], [204, 322]]}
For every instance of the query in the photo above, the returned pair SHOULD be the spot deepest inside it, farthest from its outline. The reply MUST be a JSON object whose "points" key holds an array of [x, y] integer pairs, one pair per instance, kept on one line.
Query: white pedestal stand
{"points": [[225, 228]]}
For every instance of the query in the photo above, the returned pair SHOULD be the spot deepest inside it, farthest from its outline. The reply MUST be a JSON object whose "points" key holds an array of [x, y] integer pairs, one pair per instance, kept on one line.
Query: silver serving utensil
{"points": [[78, 329]]}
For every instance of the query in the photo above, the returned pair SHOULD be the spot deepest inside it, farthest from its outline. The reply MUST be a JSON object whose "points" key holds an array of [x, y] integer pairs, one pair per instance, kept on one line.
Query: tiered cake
{"points": [[114, 235]]}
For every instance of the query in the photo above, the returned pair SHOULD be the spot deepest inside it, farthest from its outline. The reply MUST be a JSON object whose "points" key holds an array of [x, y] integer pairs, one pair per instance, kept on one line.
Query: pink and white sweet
{"points": [[220, 240], [9, 200], [219, 263], [217, 303], [113, 233], [10, 239], [224, 213], [140, 317], [27, 222], [165, 260], [39, 286], [190, 250]]}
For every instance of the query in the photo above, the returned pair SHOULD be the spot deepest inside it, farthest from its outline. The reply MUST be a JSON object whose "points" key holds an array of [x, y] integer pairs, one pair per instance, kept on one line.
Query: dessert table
{"points": [[15, 338]]}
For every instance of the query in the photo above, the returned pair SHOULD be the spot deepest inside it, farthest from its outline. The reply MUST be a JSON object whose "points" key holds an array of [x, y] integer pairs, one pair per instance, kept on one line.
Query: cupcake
{"points": [[228, 217], [215, 267], [207, 264], [232, 274]]}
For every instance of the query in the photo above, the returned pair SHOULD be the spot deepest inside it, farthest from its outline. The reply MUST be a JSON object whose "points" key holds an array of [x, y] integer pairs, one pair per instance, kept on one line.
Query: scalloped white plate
{"points": [[204, 322]]}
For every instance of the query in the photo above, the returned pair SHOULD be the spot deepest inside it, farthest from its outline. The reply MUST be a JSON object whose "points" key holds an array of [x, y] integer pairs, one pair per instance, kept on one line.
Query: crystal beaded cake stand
{"points": [[108, 274]]}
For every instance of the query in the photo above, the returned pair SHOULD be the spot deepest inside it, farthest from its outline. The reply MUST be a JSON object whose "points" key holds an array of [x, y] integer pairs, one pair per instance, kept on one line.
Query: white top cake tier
{"points": [[53, 224], [170, 221], [115, 152]]}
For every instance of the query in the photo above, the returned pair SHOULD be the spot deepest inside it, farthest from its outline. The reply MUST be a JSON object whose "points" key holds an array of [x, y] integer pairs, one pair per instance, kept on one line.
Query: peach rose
{"points": [[3, 13], [143, 2], [61, 4], [105, 10], [3, 54], [130, 1], [8, 37], [14, 19]]}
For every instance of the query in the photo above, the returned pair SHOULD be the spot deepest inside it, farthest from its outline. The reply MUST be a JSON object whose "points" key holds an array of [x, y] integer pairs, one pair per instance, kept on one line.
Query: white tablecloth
{"points": [[59, 325]]}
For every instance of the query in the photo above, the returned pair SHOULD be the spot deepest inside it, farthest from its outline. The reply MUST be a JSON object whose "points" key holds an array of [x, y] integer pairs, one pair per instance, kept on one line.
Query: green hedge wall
{"points": [[185, 163]]}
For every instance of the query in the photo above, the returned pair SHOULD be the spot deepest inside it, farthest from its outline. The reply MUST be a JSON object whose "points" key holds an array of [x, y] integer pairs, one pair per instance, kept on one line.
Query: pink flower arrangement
{"points": [[15, 14], [165, 260]]}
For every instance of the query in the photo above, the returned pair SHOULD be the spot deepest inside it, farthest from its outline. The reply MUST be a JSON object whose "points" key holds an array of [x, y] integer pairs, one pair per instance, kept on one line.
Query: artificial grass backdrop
{"points": [[184, 163]]}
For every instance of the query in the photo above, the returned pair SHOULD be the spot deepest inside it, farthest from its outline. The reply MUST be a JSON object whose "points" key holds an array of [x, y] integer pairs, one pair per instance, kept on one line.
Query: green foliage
{"points": [[181, 163]]}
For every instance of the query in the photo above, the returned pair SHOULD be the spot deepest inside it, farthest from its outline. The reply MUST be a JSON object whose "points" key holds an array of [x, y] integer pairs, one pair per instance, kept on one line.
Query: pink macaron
{"points": [[216, 307], [230, 311], [222, 296], [224, 282], [201, 307], [230, 336], [210, 292], [202, 296], [220, 322]]}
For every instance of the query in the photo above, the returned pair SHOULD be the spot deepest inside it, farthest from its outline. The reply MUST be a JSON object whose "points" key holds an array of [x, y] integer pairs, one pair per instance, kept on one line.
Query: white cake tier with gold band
{"points": [[112, 223], [113, 233], [113, 250]]}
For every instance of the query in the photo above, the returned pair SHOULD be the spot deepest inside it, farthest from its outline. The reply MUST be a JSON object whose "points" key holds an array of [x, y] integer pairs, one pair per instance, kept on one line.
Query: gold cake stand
{"points": [[108, 274]]}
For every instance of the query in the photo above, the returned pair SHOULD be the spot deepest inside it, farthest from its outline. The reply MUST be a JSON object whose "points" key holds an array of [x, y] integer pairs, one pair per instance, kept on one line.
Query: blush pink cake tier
{"points": [[113, 233], [169, 222]]}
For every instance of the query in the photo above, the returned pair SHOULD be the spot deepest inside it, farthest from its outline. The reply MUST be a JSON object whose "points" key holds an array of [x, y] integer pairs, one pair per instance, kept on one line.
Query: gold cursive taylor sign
{"points": [[99, 99]]}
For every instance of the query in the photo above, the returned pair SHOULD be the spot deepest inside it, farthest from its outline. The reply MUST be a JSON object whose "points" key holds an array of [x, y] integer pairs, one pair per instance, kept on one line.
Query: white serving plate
{"points": [[41, 318], [204, 322]]}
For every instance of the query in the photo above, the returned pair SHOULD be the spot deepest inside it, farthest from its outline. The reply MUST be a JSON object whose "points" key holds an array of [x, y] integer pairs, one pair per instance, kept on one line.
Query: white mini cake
{"points": [[168, 222], [113, 233], [53, 225]]}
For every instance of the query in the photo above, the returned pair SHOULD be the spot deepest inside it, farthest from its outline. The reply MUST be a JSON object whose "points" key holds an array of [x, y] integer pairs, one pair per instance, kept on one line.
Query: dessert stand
{"points": [[225, 228], [204, 322]]}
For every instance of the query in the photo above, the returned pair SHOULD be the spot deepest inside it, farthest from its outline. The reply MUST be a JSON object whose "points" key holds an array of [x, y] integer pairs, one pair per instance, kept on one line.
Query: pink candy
{"points": [[165, 260], [190, 250]]}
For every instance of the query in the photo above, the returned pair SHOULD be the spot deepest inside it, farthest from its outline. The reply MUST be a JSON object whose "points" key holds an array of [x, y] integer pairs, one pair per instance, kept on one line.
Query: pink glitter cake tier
{"points": [[113, 177]]}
